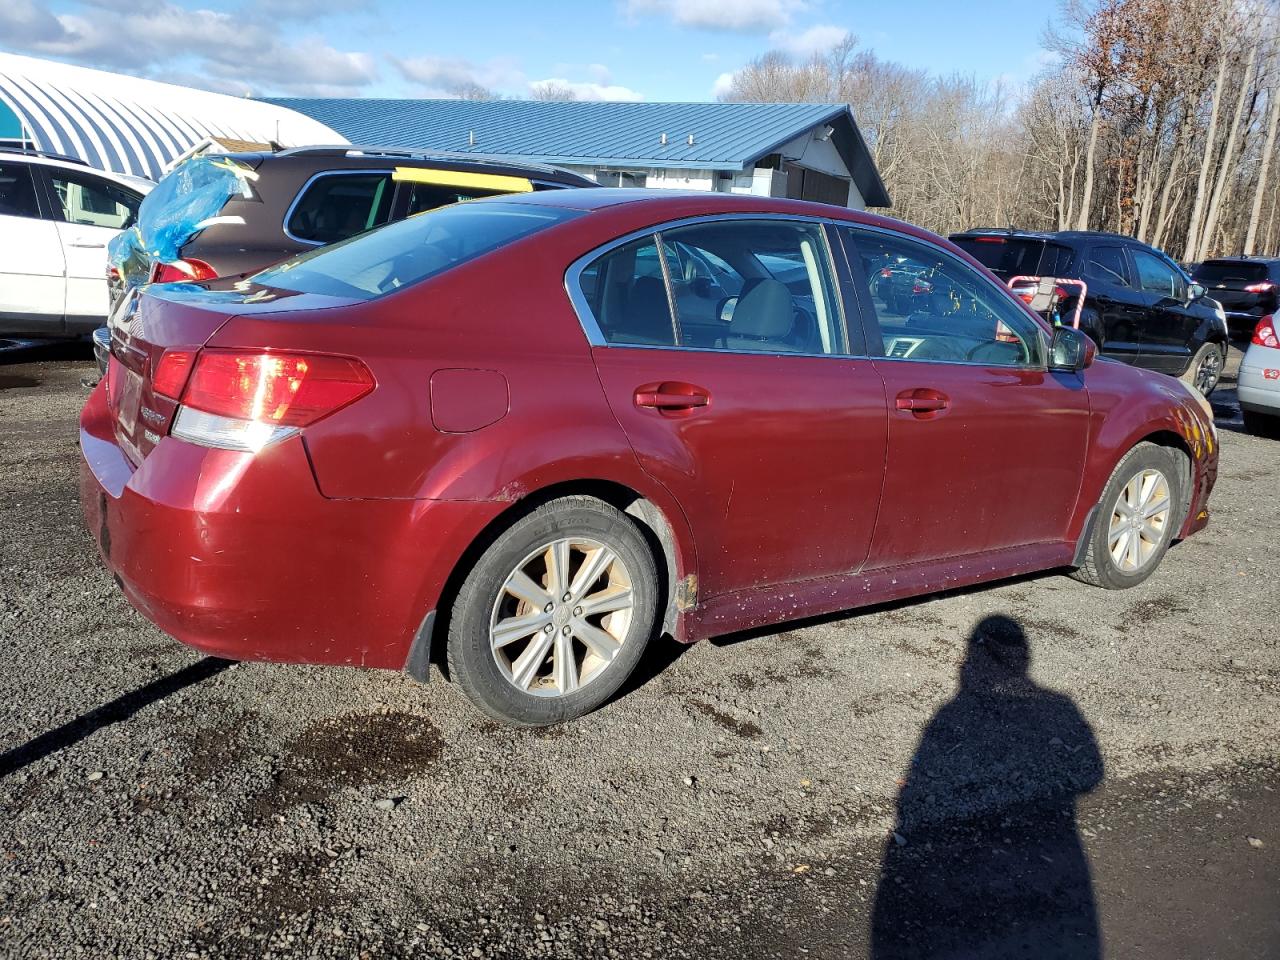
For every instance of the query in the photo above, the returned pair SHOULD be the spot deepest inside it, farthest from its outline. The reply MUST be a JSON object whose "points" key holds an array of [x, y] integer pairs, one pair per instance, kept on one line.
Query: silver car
{"points": [[1259, 386]]}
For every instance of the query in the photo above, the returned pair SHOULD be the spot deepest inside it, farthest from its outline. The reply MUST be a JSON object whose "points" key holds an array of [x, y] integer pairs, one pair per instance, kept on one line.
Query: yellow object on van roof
{"points": [[502, 183]]}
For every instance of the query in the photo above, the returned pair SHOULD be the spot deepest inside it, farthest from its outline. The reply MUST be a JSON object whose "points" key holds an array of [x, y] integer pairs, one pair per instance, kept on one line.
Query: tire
{"points": [[1205, 371], [1261, 424], [1100, 566], [486, 660]]}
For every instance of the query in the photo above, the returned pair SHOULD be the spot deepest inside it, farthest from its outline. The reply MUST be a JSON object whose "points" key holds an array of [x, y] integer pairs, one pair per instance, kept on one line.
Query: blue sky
{"points": [[606, 49]]}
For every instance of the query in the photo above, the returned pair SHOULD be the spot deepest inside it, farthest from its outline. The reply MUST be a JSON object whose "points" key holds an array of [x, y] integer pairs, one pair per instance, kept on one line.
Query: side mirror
{"points": [[1071, 351], [1195, 291]]}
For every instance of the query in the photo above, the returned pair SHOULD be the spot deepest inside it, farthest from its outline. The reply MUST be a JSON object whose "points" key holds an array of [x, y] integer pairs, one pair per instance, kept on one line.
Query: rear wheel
{"points": [[1206, 369], [1261, 424], [555, 615], [1138, 516]]}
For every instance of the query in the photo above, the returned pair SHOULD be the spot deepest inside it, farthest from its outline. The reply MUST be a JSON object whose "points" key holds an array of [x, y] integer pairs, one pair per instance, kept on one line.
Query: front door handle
{"points": [[87, 246], [672, 398], [922, 402]]}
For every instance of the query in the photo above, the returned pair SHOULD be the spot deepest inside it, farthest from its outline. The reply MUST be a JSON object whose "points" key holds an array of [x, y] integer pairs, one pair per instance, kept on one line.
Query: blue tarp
{"points": [[186, 201]]}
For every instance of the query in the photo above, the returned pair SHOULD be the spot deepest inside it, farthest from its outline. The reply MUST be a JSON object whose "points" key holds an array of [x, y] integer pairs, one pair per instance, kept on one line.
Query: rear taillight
{"points": [[170, 373], [1264, 334], [1266, 286], [180, 270], [239, 400], [886, 272]]}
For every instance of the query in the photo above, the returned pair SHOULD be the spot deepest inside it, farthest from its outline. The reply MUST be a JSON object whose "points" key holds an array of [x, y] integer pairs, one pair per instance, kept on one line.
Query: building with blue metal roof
{"points": [[801, 150]]}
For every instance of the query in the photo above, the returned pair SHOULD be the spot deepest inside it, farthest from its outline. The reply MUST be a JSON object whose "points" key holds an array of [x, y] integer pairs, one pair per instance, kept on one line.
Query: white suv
{"points": [[56, 217]]}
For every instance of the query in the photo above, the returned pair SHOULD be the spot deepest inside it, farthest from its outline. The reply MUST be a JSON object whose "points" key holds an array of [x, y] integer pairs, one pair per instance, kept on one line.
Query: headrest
{"points": [[764, 309]]}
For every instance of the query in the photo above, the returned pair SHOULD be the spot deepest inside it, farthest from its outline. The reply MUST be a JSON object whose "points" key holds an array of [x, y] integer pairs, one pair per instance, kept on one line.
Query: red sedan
{"points": [[519, 437]]}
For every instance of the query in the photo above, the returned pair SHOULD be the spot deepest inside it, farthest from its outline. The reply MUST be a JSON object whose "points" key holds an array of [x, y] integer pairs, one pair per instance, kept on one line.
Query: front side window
{"points": [[93, 202], [931, 306], [1156, 276], [407, 252], [17, 191], [340, 205], [1106, 265], [750, 286]]}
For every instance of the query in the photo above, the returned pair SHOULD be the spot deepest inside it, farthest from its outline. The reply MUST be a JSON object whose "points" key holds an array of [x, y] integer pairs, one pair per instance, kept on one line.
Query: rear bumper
{"points": [[240, 556], [102, 349], [1258, 387]]}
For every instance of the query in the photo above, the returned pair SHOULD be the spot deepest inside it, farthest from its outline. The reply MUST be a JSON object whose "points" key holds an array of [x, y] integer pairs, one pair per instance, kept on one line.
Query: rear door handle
{"points": [[672, 397], [922, 402], [87, 246]]}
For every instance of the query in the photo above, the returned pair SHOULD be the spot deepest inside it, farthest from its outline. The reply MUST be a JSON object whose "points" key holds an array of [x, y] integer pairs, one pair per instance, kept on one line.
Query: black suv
{"points": [[1247, 287], [203, 222], [1140, 307]]}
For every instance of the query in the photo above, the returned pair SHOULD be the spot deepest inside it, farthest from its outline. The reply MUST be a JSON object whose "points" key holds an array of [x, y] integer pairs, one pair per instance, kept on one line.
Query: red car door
{"points": [[986, 446], [744, 402]]}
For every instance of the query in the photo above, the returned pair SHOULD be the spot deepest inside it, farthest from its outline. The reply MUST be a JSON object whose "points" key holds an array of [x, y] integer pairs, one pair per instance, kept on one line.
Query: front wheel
{"points": [[1138, 516], [1205, 370], [555, 614]]}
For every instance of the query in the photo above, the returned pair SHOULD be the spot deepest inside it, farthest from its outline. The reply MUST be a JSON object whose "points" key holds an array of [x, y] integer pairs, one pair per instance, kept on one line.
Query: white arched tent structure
{"points": [[134, 126]]}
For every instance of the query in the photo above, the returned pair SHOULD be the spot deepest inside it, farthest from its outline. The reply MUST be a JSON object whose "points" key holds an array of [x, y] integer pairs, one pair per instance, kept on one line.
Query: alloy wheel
{"points": [[561, 617], [1139, 520], [1208, 372]]}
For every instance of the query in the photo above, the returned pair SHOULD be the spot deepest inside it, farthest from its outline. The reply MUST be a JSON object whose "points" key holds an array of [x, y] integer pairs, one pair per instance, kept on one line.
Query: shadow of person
{"points": [[984, 860]]}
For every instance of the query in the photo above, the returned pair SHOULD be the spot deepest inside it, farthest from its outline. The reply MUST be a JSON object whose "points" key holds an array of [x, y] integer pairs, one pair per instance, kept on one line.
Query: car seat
{"points": [[763, 318]]}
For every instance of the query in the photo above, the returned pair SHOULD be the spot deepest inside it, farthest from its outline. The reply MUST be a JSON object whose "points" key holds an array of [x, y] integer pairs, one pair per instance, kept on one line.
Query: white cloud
{"points": [[447, 76], [736, 16], [723, 84], [585, 89], [155, 38], [816, 39]]}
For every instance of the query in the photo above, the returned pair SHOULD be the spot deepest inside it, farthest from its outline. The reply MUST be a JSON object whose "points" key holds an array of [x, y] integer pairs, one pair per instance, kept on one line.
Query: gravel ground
{"points": [[1094, 771]]}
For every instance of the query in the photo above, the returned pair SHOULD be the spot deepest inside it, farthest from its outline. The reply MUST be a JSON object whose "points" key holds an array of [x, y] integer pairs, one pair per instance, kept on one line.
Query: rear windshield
{"points": [[1227, 271], [1013, 256], [411, 250]]}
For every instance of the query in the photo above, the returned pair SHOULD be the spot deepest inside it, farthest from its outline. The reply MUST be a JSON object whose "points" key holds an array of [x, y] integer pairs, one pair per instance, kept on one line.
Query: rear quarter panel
{"points": [[501, 336]]}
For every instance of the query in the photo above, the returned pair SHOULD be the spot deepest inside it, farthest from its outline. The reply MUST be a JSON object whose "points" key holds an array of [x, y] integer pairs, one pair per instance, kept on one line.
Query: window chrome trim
{"points": [[1041, 325], [596, 337], [302, 192]]}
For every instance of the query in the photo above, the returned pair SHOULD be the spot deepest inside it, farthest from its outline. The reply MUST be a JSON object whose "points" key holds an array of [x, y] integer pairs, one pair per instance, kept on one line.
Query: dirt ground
{"points": [[1095, 773]]}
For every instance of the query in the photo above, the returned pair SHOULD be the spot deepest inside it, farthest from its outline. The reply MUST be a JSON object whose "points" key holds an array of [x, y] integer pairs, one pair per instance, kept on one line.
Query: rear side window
{"points": [[627, 294], [339, 205], [17, 191], [1056, 261], [1106, 264], [428, 196], [412, 250], [1229, 272], [92, 202], [748, 286]]}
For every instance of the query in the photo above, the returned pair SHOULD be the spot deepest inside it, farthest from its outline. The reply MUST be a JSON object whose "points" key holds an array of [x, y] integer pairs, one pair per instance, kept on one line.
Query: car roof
{"points": [[141, 184], [683, 201], [1242, 258], [360, 155], [655, 205]]}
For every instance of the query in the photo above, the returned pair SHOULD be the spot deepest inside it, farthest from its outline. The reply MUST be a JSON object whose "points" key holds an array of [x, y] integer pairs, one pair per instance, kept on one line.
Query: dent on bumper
{"points": [[240, 556]]}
